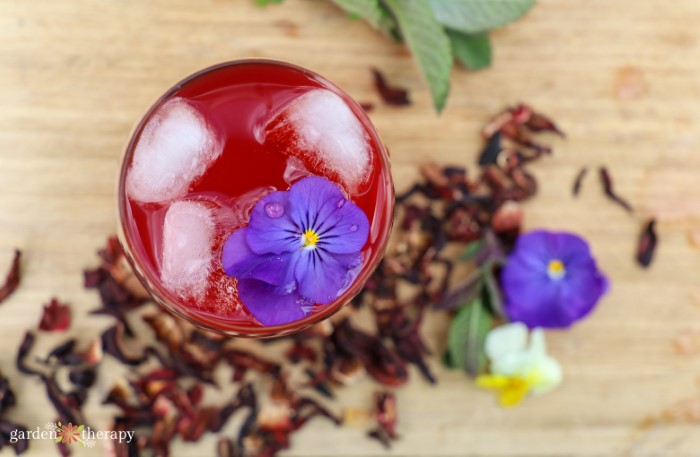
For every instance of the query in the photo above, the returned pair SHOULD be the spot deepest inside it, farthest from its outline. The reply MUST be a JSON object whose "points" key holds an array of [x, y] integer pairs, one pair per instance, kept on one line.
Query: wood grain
{"points": [[622, 77]]}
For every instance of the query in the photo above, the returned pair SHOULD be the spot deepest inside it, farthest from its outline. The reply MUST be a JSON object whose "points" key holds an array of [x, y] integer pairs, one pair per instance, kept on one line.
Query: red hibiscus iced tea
{"points": [[212, 148]]}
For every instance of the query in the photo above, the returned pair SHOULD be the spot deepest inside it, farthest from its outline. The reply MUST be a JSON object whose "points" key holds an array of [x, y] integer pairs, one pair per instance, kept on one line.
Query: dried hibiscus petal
{"points": [[56, 316], [395, 324], [518, 124], [66, 406], [21, 360], [380, 435], [113, 344], [225, 447], [367, 106], [385, 414], [463, 292], [492, 150], [93, 278], [383, 364], [306, 408], [578, 181], [647, 244], [93, 353], [608, 188], [522, 137], [538, 122], [167, 329], [319, 382], [241, 361], [507, 219], [13, 277], [300, 351], [7, 430], [7, 396], [391, 95], [83, 377], [62, 352]]}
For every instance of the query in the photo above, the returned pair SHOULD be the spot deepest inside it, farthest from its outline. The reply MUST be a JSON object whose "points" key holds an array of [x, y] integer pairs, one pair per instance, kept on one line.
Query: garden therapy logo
{"points": [[70, 434]]}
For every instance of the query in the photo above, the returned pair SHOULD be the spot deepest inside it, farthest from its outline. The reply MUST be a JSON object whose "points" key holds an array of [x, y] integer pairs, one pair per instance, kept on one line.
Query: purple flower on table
{"points": [[300, 248], [551, 280]]}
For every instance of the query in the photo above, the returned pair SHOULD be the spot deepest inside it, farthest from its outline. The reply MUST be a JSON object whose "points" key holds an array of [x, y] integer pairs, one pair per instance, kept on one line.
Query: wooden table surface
{"points": [[622, 77]]}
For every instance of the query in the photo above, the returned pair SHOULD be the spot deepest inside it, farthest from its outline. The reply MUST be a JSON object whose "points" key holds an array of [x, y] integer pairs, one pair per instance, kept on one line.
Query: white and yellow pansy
{"points": [[518, 365]]}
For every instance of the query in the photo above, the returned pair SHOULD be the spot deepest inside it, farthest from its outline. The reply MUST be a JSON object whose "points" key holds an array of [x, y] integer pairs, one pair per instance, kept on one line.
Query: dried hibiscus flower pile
{"points": [[539, 279], [174, 371]]}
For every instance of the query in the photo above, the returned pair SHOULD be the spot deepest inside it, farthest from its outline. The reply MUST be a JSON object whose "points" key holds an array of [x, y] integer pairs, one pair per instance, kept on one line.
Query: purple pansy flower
{"points": [[299, 249], [551, 280]]}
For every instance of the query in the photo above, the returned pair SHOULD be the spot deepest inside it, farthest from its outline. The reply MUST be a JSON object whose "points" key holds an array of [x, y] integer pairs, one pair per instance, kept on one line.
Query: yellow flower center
{"points": [[556, 269], [309, 239]]}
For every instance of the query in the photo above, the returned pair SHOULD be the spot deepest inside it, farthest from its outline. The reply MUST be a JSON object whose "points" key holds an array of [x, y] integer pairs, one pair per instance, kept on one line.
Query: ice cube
{"points": [[326, 134], [177, 146], [188, 235], [295, 170]]}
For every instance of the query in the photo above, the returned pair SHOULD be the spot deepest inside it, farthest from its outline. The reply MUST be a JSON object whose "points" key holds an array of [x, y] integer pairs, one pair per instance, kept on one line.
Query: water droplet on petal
{"points": [[274, 209], [341, 202], [291, 287], [353, 228]]}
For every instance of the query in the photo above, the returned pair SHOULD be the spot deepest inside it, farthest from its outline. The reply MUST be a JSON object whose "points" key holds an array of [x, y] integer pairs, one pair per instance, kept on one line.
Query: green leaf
{"points": [[472, 250], [491, 292], [463, 292], [263, 3], [472, 51], [467, 336], [58, 439], [474, 16], [447, 360], [80, 429], [428, 42], [370, 10]]}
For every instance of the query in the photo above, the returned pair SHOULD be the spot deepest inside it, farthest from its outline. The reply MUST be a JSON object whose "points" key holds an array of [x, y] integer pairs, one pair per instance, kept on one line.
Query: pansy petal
{"points": [[239, 261], [320, 276], [573, 246], [313, 199], [525, 360], [535, 248], [271, 229], [538, 344], [516, 363], [492, 381], [546, 376], [345, 230], [581, 292], [513, 394], [268, 307], [288, 283], [505, 340], [536, 302]]}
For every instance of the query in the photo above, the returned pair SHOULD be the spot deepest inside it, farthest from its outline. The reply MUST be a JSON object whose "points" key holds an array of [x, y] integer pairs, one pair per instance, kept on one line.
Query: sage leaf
{"points": [[264, 3], [428, 42], [370, 10], [491, 293], [472, 51], [464, 292], [467, 336], [475, 16], [472, 250]]}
